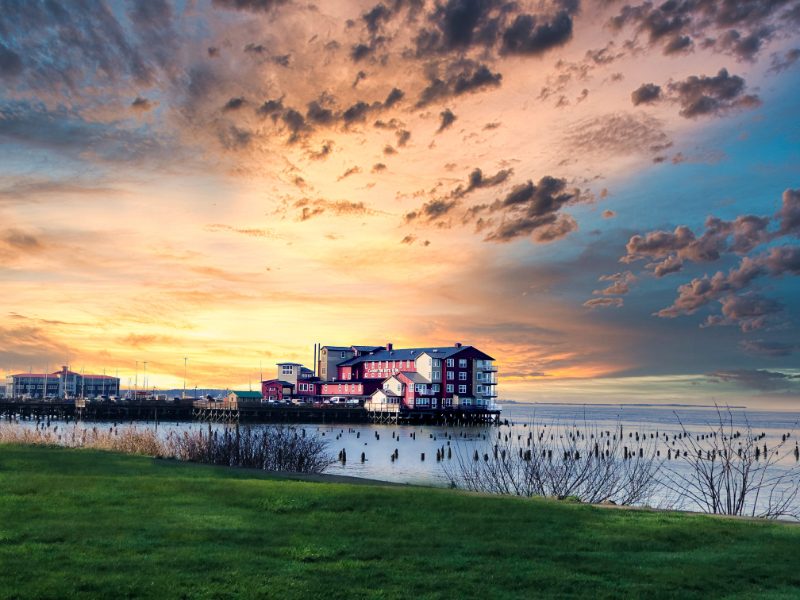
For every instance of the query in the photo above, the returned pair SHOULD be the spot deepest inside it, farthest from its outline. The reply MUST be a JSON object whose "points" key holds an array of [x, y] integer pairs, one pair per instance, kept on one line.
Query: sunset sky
{"points": [[604, 196]]}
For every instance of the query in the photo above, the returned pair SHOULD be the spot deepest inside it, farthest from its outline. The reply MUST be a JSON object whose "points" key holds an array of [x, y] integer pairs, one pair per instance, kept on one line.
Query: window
{"points": [[462, 389], [451, 362], [450, 375], [287, 369], [435, 388], [419, 388], [449, 388], [462, 362], [436, 375], [437, 362], [479, 389], [342, 354], [462, 376]]}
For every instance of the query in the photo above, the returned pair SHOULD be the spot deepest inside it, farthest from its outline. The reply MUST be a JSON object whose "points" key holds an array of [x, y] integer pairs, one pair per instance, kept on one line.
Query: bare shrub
{"points": [[271, 449], [585, 463], [729, 469]]}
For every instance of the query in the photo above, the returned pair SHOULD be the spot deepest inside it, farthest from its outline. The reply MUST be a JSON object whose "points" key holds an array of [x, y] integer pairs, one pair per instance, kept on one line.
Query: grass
{"points": [[100, 524]]}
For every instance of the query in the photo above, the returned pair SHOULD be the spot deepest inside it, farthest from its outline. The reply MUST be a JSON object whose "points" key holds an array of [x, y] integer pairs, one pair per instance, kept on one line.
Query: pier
{"points": [[239, 412]]}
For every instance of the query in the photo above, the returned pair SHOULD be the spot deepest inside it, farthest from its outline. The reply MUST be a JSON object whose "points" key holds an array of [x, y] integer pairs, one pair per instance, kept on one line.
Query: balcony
{"points": [[486, 367]]}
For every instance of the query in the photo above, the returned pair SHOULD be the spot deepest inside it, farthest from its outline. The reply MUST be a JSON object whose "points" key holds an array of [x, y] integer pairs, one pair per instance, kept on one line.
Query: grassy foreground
{"points": [[93, 523]]}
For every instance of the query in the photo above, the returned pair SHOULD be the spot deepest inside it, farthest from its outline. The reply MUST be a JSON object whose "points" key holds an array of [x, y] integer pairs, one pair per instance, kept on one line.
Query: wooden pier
{"points": [[239, 412]]}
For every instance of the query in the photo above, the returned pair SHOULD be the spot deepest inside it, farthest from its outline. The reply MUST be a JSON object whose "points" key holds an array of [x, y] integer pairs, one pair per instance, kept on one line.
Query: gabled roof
{"points": [[414, 377], [338, 348], [413, 354], [294, 364], [280, 381], [247, 394], [386, 393], [367, 348]]}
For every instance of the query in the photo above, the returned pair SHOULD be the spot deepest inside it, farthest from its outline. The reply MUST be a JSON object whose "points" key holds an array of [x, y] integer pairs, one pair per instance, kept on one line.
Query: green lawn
{"points": [[89, 523]]}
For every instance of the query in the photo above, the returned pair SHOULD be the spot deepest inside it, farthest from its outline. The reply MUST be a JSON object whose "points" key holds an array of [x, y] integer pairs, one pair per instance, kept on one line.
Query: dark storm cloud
{"points": [[271, 108], [671, 248], [477, 180], [785, 61], [234, 104], [432, 211], [769, 349], [678, 44], [531, 35], [703, 95], [758, 379], [462, 77], [788, 216], [10, 62], [646, 93], [533, 209], [749, 311], [141, 104], [778, 261], [395, 96], [740, 28], [251, 5], [447, 118]]}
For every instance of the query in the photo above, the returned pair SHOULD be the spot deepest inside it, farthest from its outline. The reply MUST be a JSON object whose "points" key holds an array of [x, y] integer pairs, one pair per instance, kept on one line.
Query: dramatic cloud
{"points": [[646, 94], [768, 348], [604, 302], [532, 209], [447, 118], [737, 28], [462, 77], [703, 95], [759, 379]]}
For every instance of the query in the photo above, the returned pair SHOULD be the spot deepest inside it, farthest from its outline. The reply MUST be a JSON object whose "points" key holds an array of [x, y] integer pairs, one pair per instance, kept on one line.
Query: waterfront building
{"points": [[236, 396], [60, 384], [430, 378]]}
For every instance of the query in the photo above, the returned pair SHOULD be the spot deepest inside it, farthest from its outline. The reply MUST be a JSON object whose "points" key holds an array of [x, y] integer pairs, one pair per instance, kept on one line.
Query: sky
{"points": [[604, 196]]}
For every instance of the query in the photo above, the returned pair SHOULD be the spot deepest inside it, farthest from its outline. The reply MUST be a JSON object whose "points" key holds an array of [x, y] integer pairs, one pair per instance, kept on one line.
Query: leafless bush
{"points": [[271, 449], [585, 463], [730, 470]]}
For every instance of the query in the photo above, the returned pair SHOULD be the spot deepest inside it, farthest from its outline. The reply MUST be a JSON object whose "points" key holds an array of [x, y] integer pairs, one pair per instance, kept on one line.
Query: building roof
{"points": [[367, 348], [414, 377], [246, 394], [280, 381], [386, 393], [338, 348], [412, 354], [294, 364]]}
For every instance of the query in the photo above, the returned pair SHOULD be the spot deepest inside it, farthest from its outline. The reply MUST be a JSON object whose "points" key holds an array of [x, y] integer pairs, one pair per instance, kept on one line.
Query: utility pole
{"points": [[185, 359], [136, 381], [145, 378]]}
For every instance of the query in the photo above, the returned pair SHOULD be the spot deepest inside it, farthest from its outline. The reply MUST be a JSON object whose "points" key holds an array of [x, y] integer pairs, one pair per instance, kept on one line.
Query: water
{"points": [[378, 443]]}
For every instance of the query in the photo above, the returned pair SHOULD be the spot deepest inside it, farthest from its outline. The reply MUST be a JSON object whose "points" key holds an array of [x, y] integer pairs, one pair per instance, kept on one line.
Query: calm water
{"points": [[379, 442]]}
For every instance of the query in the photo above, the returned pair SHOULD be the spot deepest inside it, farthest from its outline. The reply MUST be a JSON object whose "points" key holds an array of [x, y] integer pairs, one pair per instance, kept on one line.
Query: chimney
{"points": [[389, 345], [458, 344]]}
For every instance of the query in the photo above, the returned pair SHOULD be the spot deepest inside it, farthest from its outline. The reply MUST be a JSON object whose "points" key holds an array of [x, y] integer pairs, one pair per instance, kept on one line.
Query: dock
{"points": [[238, 412]]}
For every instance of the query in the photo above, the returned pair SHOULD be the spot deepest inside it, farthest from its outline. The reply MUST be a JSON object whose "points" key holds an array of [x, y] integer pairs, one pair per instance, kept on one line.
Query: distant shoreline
{"points": [[647, 404]]}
